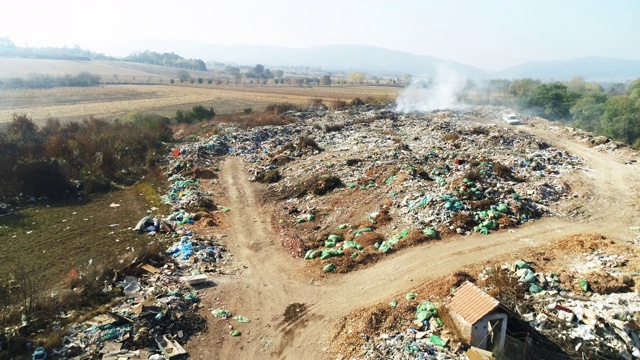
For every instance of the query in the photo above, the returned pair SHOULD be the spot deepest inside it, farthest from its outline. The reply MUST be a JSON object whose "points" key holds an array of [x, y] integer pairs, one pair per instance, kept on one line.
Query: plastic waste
{"points": [[584, 285], [430, 231], [334, 238], [535, 289], [329, 268], [425, 311], [221, 313], [235, 333], [39, 354], [242, 319], [410, 296], [435, 340], [130, 285]]}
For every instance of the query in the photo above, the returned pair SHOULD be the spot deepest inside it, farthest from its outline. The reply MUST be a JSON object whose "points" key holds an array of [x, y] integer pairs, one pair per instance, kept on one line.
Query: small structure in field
{"points": [[478, 317]]}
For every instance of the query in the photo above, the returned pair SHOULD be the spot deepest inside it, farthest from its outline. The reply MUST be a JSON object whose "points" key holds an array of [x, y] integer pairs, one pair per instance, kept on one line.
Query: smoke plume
{"points": [[427, 94]]}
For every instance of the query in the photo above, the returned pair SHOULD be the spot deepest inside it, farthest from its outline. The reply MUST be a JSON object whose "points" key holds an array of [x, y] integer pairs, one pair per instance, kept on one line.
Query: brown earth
{"points": [[292, 314]]}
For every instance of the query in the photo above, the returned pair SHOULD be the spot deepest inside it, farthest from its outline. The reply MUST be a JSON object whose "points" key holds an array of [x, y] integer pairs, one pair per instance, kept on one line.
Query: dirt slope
{"points": [[271, 281]]}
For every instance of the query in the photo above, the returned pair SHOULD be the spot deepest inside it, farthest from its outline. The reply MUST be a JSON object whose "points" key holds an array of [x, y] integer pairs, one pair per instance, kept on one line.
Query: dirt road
{"points": [[271, 285]]}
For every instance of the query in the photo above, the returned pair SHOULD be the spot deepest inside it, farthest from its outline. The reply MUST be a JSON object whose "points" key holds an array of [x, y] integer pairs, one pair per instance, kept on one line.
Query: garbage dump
{"points": [[587, 308], [158, 310], [439, 170]]}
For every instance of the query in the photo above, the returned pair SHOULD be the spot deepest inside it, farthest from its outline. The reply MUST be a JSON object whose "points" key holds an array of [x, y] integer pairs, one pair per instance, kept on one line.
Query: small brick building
{"points": [[478, 317]]}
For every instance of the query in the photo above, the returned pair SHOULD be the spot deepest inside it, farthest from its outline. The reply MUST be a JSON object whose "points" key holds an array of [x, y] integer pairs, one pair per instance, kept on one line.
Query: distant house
{"points": [[478, 317]]}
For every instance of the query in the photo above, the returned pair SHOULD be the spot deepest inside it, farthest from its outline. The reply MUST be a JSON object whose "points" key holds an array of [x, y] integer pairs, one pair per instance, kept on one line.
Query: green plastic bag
{"points": [[535, 289], [235, 333], [384, 247], [343, 226], [329, 268], [393, 304], [327, 253], [390, 179], [310, 254], [584, 284], [430, 231], [352, 245], [411, 348], [435, 340], [241, 319], [425, 311], [410, 296], [334, 238], [521, 264], [354, 255], [530, 277], [221, 313], [359, 232]]}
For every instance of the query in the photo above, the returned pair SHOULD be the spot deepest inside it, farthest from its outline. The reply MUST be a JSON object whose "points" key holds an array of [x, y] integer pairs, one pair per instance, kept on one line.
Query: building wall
{"points": [[479, 333], [463, 326]]}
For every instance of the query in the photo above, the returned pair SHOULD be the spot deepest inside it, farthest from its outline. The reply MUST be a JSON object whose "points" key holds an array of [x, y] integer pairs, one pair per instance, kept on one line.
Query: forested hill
{"points": [[167, 59]]}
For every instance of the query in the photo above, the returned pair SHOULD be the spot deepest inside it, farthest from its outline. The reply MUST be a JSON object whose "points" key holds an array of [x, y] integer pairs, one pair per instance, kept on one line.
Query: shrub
{"points": [[473, 174], [54, 160], [357, 102], [501, 170], [325, 184], [43, 177], [307, 142], [280, 108], [268, 176], [332, 128], [340, 105], [197, 113]]}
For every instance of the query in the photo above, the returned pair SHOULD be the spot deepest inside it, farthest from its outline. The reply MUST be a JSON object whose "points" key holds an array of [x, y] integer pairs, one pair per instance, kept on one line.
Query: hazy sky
{"points": [[491, 34]]}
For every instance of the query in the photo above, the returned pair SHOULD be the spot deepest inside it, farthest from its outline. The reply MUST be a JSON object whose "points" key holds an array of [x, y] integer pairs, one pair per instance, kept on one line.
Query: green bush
{"points": [[197, 113], [58, 159]]}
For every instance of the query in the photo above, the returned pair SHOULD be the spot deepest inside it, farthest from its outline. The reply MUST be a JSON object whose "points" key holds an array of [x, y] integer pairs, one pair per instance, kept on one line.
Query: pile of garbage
{"points": [[424, 338], [440, 171], [585, 318], [158, 307]]}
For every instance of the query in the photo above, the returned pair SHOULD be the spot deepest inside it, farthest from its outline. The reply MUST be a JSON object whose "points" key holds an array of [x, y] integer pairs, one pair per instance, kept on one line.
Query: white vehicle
{"points": [[511, 119]]}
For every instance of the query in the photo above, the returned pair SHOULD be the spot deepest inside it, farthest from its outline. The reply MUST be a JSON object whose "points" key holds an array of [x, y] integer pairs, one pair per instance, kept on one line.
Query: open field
{"points": [[51, 240], [116, 101], [109, 71]]}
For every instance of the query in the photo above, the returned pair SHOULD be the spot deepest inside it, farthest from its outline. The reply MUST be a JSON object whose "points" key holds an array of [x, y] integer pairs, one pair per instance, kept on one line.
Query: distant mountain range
{"points": [[591, 68], [381, 61]]}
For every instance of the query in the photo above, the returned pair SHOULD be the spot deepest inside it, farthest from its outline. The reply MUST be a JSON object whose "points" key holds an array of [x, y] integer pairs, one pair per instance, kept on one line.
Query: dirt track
{"points": [[271, 280]]}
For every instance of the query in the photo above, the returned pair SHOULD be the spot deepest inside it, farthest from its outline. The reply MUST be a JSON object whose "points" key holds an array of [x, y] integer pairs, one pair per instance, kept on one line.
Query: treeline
{"points": [[612, 111], [60, 160], [40, 81], [8, 48], [167, 59]]}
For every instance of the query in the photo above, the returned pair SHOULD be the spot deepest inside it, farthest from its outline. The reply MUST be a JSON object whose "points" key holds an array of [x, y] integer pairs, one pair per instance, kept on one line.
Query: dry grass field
{"points": [[123, 71], [116, 101]]}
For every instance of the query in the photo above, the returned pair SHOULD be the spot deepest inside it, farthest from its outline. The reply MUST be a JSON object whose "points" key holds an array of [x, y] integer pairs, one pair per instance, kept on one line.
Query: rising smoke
{"points": [[427, 94]]}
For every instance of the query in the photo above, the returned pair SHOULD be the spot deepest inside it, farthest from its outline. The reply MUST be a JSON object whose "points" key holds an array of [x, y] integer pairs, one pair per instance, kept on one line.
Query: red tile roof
{"points": [[471, 303]]}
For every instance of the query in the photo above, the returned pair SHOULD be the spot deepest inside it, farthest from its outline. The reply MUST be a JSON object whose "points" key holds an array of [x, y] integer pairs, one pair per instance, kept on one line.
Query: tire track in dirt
{"points": [[272, 280]]}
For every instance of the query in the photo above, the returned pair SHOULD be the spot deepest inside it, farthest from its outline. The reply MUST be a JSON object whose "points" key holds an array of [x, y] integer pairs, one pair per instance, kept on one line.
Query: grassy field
{"points": [[51, 240], [109, 71], [116, 101]]}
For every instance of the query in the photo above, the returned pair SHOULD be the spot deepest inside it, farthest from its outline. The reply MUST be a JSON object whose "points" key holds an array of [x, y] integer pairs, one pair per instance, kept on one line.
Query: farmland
{"points": [[116, 101], [133, 87]]}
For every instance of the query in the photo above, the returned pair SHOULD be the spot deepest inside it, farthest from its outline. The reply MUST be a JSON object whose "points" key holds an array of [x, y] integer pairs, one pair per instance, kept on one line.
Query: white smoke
{"points": [[427, 94]]}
